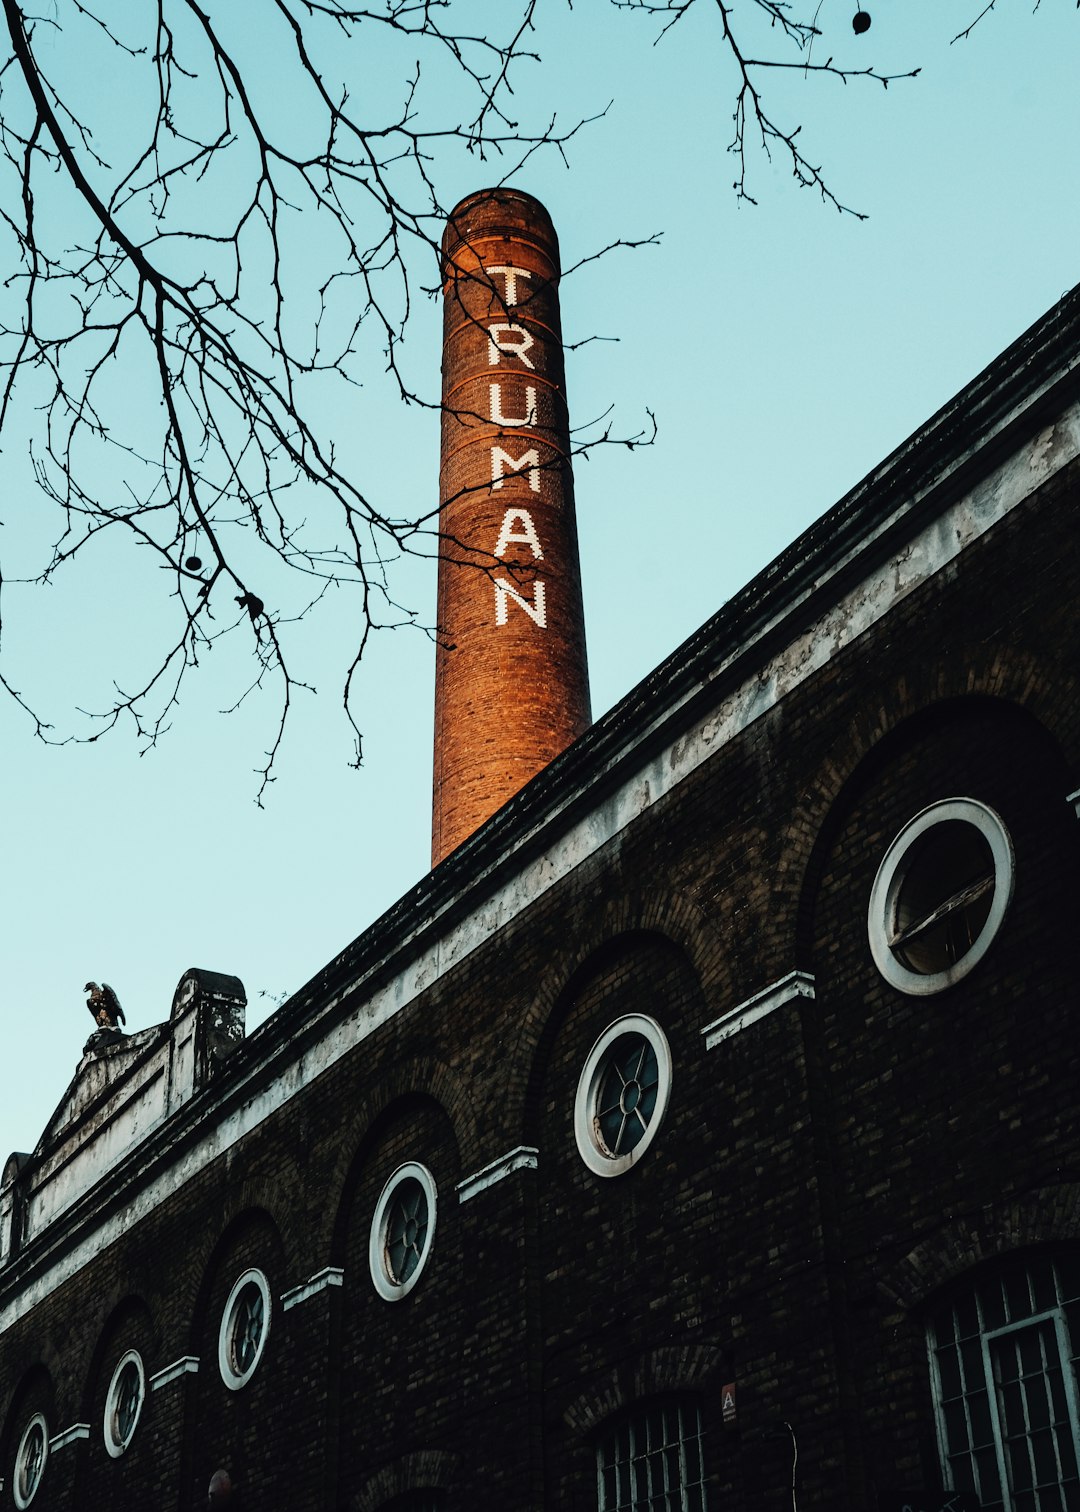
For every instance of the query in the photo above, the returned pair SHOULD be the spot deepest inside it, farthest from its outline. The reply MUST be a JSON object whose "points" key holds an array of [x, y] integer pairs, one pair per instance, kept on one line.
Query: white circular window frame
{"points": [[381, 1275], [113, 1442], [891, 876], [36, 1424], [590, 1146], [233, 1378]]}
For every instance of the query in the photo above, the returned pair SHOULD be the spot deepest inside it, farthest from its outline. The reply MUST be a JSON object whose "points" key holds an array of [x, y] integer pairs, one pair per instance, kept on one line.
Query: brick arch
{"points": [[667, 1371], [270, 1196], [251, 1202], [1042, 688], [422, 1076], [129, 1324], [1048, 1216], [131, 1315], [424, 1470], [36, 1389], [586, 929]]}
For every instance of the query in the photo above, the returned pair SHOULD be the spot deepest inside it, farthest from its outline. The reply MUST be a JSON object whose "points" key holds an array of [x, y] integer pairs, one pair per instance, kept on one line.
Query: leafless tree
{"points": [[192, 270]]}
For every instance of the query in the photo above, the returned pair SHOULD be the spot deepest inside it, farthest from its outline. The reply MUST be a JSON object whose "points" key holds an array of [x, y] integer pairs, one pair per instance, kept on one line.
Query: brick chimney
{"points": [[511, 678]]}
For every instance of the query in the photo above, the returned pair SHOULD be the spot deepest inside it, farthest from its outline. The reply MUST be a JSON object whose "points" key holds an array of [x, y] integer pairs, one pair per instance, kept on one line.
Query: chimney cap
{"points": [[500, 212]]}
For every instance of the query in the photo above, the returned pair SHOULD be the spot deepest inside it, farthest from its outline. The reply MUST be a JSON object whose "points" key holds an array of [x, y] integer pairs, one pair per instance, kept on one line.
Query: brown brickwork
{"points": [[511, 681]]}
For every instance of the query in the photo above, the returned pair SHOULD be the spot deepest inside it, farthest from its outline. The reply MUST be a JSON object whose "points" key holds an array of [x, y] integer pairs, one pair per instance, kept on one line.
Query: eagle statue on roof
{"points": [[104, 1006]]}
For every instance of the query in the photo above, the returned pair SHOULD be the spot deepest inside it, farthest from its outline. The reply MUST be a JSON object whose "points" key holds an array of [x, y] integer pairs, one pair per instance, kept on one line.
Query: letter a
{"points": [[526, 535]]}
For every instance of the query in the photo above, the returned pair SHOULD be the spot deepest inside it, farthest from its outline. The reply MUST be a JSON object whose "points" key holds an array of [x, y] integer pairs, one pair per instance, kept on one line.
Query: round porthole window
{"points": [[124, 1403], [401, 1231], [30, 1460], [245, 1327], [940, 895], [622, 1094]]}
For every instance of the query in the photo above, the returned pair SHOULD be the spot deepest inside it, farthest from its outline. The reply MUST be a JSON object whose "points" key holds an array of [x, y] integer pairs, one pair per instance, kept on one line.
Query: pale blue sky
{"points": [[785, 351]]}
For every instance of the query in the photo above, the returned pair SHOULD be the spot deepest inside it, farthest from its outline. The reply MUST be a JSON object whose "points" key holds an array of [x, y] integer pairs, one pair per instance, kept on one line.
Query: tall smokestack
{"points": [[511, 678]]}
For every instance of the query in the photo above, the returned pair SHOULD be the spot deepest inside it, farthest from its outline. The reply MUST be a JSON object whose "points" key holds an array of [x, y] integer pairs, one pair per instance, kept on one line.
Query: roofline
{"points": [[1029, 383]]}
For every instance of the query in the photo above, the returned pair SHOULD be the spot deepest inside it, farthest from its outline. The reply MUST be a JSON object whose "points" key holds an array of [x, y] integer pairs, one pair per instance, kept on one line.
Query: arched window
{"points": [[1003, 1353], [651, 1461]]}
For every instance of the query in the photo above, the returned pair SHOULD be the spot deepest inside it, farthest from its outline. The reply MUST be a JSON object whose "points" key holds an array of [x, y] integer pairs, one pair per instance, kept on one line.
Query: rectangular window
{"points": [[651, 1461], [1005, 1387]]}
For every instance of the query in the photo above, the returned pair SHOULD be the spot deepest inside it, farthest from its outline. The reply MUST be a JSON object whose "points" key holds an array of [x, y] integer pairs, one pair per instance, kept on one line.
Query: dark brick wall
{"points": [[818, 1177]]}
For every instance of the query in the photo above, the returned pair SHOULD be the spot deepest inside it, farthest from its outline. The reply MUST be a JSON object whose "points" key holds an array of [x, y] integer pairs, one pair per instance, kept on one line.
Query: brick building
{"points": [[702, 1127]]}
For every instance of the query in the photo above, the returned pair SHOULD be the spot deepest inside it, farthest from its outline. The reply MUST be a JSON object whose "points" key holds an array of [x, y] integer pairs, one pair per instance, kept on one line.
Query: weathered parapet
{"points": [[12, 1216], [125, 1086], [207, 1021]]}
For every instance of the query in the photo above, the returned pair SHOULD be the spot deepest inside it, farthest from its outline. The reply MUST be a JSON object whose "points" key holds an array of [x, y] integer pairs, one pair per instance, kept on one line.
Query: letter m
{"points": [[502, 461]]}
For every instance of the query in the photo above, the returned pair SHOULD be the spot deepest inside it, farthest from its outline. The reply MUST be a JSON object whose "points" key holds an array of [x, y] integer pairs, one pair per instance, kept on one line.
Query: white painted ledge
{"points": [[185, 1365], [69, 1436], [523, 1158], [1074, 799], [795, 985], [333, 1275]]}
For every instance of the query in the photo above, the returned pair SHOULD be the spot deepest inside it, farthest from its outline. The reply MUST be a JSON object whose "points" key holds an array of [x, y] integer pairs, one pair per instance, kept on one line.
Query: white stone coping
{"points": [[333, 1275], [185, 1365], [69, 1436], [795, 985], [521, 1158]]}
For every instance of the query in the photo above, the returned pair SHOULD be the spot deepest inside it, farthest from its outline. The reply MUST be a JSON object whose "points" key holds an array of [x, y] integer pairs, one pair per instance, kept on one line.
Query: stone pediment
{"points": [[107, 1062], [124, 1087]]}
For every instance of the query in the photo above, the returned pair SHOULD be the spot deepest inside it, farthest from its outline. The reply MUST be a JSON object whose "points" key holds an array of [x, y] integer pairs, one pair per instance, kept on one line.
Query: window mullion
{"points": [[1068, 1380], [990, 1376]]}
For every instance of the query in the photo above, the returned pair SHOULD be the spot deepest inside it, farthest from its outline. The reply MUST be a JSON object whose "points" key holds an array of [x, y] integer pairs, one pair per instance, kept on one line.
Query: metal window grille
{"points": [[406, 1229], [626, 1096], [652, 1462], [1004, 1369], [247, 1328], [128, 1401]]}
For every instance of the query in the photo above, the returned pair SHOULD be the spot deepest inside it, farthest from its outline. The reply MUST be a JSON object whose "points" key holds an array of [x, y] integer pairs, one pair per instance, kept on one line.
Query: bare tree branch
{"points": [[190, 286]]}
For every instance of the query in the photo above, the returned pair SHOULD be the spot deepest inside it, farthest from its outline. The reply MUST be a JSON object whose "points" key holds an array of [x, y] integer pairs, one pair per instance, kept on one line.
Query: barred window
{"points": [[245, 1325], [651, 1461], [622, 1094], [30, 1460], [940, 895], [1004, 1368], [402, 1228], [124, 1403]]}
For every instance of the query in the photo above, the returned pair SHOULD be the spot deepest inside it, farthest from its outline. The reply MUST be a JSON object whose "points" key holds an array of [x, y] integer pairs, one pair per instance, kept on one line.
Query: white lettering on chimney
{"points": [[512, 339], [511, 275], [497, 416], [536, 610], [501, 459], [526, 534]]}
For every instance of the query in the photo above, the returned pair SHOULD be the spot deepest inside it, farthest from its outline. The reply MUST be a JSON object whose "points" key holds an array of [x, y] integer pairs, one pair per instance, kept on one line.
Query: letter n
{"points": [[537, 610]]}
